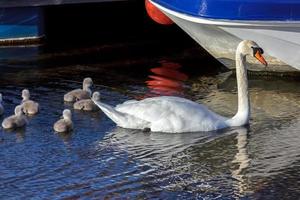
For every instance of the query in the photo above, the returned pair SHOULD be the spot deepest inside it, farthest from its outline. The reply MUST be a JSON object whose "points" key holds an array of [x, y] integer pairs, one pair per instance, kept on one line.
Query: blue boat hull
{"points": [[236, 9], [21, 23]]}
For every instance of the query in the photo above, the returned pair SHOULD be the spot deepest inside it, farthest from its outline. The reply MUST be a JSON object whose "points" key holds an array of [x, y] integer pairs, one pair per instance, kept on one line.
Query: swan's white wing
{"points": [[152, 109], [173, 114]]}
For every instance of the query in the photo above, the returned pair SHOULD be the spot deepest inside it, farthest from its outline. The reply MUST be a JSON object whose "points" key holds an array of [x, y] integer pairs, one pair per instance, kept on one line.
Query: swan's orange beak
{"points": [[260, 58]]}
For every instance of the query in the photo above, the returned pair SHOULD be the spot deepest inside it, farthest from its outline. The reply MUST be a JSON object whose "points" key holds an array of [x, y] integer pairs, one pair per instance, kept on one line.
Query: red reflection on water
{"points": [[167, 80]]}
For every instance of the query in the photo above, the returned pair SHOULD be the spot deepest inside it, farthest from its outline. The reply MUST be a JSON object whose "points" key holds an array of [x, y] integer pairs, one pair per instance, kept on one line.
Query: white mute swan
{"points": [[176, 115], [29, 107], [79, 94]]}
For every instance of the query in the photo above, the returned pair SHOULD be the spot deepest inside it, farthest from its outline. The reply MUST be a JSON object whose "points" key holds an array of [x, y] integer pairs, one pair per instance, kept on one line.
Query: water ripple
{"points": [[98, 160]]}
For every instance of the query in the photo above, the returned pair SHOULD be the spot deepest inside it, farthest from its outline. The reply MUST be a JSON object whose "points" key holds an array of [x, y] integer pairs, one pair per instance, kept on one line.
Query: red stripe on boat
{"points": [[156, 15]]}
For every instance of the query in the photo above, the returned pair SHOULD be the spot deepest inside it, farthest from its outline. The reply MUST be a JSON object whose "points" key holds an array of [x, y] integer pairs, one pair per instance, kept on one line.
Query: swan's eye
{"points": [[257, 49]]}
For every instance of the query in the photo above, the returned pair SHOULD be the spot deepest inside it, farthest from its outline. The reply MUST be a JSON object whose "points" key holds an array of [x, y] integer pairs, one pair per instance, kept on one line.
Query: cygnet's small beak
{"points": [[260, 58]]}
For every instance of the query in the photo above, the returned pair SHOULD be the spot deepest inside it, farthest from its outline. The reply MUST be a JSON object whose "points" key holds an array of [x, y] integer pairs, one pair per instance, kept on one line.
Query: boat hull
{"points": [[38, 3], [280, 40], [21, 25], [23, 22]]}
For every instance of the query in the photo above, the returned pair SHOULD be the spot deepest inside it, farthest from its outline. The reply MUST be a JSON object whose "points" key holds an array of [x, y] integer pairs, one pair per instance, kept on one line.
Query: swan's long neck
{"points": [[243, 114]]}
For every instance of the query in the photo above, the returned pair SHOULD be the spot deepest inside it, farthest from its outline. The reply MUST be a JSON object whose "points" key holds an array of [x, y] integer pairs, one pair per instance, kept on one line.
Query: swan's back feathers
{"points": [[158, 107], [168, 114]]}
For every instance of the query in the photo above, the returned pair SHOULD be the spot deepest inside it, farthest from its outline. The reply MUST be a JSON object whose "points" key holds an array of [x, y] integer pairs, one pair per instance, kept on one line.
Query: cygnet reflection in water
{"points": [[19, 133]]}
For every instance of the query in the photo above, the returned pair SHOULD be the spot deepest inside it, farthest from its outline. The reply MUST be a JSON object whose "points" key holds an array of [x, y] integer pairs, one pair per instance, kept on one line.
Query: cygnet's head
{"points": [[67, 114], [248, 47], [25, 94], [19, 110], [87, 82], [96, 96]]}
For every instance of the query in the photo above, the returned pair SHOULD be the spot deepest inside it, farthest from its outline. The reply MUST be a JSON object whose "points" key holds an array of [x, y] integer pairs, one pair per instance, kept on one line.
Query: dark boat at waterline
{"points": [[21, 3], [23, 22]]}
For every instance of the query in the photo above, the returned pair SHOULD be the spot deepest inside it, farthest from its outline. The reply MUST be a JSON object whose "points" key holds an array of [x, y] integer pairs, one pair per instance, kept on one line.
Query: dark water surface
{"points": [[100, 161]]}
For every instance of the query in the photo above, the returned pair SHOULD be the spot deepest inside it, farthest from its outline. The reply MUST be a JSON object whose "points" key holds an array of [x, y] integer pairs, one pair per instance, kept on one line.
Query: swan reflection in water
{"points": [[166, 80], [242, 160], [193, 162]]}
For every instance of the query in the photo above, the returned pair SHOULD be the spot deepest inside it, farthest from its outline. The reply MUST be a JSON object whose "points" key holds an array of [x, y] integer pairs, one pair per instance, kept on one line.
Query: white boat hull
{"points": [[280, 40]]}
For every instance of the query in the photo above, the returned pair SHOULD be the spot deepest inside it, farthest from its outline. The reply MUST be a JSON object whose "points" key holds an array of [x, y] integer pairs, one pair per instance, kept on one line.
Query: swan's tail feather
{"points": [[110, 112], [122, 119]]}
